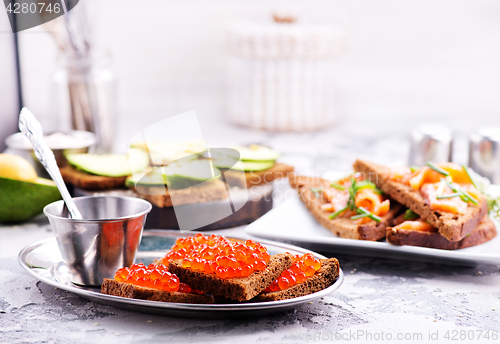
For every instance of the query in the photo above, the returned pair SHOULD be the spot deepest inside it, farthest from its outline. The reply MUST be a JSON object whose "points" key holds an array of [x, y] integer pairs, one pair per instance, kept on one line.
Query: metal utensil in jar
{"points": [[29, 126]]}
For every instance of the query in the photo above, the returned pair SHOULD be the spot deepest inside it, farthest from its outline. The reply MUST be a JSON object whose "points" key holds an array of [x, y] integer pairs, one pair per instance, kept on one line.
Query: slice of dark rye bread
{"points": [[236, 288], [249, 179], [342, 227], [88, 181], [278, 171], [161, 196], [322, 279], [453, 227], [112, 287], [484, 232]]}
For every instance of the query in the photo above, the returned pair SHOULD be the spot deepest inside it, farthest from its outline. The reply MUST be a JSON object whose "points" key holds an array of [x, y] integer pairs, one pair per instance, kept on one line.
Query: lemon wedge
{"points": [[15, 167]]}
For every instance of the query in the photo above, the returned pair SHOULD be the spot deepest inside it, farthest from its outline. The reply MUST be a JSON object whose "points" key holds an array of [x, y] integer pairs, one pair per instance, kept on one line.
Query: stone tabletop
{"points": [[380, 299], [410, 301]]}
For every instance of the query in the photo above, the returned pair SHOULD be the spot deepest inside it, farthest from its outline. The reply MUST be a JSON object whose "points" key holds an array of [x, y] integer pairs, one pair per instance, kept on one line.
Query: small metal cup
{"points": [[430, 142], [105, 240], [484, 153]]}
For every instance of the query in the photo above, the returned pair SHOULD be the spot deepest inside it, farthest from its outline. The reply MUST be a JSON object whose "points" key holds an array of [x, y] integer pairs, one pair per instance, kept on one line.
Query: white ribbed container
{"points": [[281, 76]]}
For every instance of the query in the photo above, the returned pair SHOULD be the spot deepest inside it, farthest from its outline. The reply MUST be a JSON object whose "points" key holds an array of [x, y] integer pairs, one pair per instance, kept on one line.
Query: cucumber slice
{"points": [[150, 179], [234, 159], [110, 165], [177, 175], [256, 153], [248, 166], [182, 174], [228, 162]]}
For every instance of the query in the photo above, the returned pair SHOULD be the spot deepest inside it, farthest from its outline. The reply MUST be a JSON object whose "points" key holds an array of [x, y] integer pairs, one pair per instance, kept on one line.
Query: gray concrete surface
{"points": [[380, 300]]}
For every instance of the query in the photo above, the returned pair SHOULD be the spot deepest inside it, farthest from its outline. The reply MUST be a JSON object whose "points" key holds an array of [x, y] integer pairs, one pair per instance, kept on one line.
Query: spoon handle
{"points": [[30, 127]]}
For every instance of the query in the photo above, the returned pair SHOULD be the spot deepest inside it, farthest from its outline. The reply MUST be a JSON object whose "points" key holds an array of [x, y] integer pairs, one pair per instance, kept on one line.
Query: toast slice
{"points": [[342, 227], [278, 171], [112, 287], [484, 232], [236, 288], [453, 227], [255, 178], [161, 196], [214, 190], [88, 181], [322, 279]]}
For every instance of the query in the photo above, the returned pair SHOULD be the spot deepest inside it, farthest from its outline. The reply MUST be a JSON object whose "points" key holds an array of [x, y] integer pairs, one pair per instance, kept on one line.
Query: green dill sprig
{"points": [[316, 191], [352, 194], [456, 194], [365, 185], [466, 169], [351, 202], [493, 205], [337, 213], [337, 186], [464, 195], [365, 213], [438, 169], [410, 215], [360, 216], [492, 196]]}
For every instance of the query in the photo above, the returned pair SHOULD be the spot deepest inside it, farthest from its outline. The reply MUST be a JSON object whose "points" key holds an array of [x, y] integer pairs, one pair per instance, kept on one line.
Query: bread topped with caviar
{"points": [[153, 283], [443, 195], [351, 207], [241, 288], [201, 269], [225, 268], [302, 279]]}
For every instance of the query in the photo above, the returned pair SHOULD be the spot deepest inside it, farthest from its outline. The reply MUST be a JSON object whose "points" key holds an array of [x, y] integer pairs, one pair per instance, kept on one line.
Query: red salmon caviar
{"points": [[184, 288], [121, 275], [218, 255], [302, 267], [153, 276]]}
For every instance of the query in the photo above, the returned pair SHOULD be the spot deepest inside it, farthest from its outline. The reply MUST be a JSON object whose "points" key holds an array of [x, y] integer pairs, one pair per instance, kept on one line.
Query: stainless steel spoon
{"points": [[30, 127]]}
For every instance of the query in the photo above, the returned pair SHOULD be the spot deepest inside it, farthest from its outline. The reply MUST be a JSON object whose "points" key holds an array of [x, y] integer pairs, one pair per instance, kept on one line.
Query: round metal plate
{"points": [[43, 261]]}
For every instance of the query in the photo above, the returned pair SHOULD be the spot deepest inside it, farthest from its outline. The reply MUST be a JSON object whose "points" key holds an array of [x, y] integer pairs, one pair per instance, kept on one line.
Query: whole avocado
{"points": [[21, 200]]}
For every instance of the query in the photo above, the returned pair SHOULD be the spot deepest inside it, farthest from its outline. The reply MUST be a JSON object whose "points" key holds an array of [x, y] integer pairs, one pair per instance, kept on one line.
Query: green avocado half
{"points": [[21, 200], [249, 159], [178, 175], [110, 165], [256, 153], [247, 166]]}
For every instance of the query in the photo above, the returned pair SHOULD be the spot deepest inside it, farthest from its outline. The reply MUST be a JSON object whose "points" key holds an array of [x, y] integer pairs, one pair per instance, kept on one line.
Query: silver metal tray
{"points": [[43, 261]]}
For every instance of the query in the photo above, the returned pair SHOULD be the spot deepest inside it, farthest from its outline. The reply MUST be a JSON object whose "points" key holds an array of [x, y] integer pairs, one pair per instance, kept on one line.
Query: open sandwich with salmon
{"points": [[435, 206], [445, 208], [352, 207]]}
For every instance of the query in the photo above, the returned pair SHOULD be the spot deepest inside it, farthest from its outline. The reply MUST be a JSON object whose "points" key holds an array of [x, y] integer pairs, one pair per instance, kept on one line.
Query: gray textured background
{"points": [[396, 297]]}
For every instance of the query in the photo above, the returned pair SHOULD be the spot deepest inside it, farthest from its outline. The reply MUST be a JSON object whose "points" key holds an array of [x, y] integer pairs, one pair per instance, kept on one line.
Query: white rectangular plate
{"points": [[292, 222]]}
